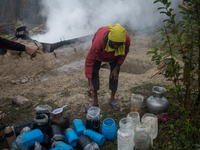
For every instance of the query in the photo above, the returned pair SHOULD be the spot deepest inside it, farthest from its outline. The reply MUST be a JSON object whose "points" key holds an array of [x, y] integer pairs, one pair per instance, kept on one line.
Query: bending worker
{"points": [[109, 44]]}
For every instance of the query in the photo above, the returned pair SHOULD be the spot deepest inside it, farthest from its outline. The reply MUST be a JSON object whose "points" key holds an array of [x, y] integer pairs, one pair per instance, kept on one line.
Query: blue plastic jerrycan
{"points": [[71, 136], [78, 127], [28, 139], [95, 136], [62, 146]]}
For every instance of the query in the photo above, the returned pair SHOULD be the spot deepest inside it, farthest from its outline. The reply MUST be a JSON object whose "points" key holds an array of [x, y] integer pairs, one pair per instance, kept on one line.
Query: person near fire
{"points": [[12, 45], [109, 44]]}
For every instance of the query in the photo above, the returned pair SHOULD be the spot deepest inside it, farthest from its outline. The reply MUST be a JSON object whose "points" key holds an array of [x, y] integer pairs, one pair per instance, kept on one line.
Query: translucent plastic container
{"points": [[136, 102], [10, 136], [126, 123], [93, 119], [153, 120], [125, 139], [144, 126], [135, 117], [142, 141]]}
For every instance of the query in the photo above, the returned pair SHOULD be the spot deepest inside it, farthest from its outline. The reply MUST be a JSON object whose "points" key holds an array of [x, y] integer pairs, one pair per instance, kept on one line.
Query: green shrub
{"points": [[180, 53]]}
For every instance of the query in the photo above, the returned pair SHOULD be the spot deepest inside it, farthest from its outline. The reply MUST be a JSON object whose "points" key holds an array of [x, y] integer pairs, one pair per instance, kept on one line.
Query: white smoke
{"points": [[68, 19]]}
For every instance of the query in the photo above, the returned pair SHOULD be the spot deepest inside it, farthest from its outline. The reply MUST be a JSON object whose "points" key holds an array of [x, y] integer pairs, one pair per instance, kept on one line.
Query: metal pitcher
{"points": [[157, 103]]}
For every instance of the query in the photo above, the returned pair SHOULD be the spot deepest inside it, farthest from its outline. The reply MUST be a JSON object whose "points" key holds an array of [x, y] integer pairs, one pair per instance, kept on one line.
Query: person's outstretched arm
{"points": [[31, 52], [12, 45]]}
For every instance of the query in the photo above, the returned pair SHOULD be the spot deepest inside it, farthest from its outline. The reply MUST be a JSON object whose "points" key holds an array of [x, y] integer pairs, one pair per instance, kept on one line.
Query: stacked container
{"points": [[142, 141], [78, 127], [95, 136], [153, 121], [126, 123], [125, 139], [71, 136], [28, 139], [144, 126], [135, 118], [93, 119], [84, 142], [125, 134]]}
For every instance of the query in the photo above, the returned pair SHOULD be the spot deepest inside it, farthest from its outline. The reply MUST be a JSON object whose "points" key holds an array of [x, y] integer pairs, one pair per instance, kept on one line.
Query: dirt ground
{"points": [[58, 78]]}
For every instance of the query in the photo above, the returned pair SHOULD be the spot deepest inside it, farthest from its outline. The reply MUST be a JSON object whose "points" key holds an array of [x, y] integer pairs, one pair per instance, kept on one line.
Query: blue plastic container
{"points": [[28, 139], [95, 136], [62, 146], [55, 148], [71, 136], [109, 129], [78, 127]]}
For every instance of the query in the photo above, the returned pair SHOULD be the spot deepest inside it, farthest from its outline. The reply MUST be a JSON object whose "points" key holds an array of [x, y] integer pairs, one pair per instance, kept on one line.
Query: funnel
{"points": [[58, 110]]}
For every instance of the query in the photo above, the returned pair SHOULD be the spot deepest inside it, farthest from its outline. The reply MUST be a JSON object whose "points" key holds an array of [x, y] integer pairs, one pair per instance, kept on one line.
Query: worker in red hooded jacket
{"points": [[109, 44]]}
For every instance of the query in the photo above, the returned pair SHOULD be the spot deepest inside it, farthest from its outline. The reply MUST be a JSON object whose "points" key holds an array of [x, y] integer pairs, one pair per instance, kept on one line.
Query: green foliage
{"points": [[180, 52]]}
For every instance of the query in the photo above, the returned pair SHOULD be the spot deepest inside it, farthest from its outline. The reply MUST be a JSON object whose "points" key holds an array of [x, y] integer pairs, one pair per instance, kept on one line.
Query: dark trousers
{"points": [[95, 76]]}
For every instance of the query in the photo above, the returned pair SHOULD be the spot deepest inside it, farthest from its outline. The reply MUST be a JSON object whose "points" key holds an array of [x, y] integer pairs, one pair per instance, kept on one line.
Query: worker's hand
{"points": [[31, 52], [114, 75], [90, 89]]}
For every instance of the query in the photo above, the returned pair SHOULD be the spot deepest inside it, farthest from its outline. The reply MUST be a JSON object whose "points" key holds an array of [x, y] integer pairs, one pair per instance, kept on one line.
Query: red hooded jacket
{"points": [[97, 51]]}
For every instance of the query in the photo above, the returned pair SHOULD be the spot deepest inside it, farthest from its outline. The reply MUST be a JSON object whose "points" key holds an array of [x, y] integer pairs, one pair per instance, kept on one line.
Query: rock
{"points": [[17, 81], [38, 76], [25, 80], [21, 101], [31, 79], [13, 81]]}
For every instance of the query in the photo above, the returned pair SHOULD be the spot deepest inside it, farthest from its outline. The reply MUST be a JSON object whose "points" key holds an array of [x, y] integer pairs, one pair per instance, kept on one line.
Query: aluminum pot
{"points": [[157, 103]]}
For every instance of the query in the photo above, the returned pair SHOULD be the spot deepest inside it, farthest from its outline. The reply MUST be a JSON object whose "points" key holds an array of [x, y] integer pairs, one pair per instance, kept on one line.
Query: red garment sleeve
{"points": [[90, 59]]}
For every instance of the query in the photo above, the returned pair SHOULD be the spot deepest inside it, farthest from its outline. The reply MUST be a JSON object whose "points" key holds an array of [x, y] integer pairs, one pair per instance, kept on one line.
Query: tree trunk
{"points": [[20, 10]]}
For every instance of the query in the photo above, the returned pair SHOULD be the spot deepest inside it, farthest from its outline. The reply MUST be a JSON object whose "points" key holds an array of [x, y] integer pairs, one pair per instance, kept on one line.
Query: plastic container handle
{"points": [[64, 106]]}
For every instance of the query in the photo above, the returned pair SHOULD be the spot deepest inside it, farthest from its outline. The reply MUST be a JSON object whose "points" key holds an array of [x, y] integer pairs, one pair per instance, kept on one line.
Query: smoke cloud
{"points": [[68, 19]]}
